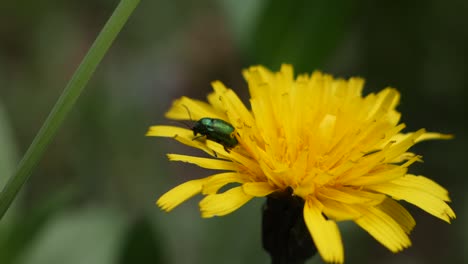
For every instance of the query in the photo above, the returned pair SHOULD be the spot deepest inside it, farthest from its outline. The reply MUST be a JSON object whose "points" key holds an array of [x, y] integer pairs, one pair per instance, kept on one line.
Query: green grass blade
{"points": [[66, 101]]}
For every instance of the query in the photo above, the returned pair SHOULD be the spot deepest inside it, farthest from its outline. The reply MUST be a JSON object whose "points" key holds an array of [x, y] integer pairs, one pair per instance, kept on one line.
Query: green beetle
{"points": [[217, 130]]}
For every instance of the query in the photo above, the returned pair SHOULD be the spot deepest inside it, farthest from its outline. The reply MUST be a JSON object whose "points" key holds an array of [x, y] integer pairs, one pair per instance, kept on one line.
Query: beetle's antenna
{"points": [[188, 111], [183, 123]]}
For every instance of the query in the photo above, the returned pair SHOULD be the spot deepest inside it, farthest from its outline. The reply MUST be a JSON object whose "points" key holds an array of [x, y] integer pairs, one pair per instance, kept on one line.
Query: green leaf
{"points": [[66, 102], [8, 150]]}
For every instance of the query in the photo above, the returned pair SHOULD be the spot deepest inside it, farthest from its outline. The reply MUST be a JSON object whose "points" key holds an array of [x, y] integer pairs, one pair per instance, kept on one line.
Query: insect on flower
{"points": [[214, 129], [217, 130]]}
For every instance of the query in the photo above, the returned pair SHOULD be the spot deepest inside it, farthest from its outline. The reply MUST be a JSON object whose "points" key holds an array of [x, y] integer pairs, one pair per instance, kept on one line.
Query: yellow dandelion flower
{"points": [[343, 154]]}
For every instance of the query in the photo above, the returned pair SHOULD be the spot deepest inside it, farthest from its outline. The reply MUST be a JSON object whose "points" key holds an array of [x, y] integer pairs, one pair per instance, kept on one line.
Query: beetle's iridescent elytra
{"points": [[217, 130]]}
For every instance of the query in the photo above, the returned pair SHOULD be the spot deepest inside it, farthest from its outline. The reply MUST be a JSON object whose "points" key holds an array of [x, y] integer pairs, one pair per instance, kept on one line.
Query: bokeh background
{"points": [[91, 198]]}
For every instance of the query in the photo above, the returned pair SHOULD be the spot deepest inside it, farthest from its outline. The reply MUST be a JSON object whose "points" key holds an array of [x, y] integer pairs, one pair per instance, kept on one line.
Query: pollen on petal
{"points": [[223, 203], [179, 194]]}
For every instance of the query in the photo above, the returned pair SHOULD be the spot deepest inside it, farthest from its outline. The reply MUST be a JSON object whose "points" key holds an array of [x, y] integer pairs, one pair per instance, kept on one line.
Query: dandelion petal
{"points": [[399, 213], [206, 163], [183, 135], [384, 229], [424, 184], [259, 189], [325, 233], [223, 203], [168, 131], [432, 136], [180, 194], [217, 181], [424, 200], [190, 109]]}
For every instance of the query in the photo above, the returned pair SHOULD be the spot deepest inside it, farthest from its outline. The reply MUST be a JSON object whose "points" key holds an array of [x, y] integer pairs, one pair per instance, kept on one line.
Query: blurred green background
{"points": [[91, 199]]}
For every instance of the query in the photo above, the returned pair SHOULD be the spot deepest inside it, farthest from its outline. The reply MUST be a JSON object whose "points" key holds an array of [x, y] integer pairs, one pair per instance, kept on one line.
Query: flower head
{"points": [[341, 152]]}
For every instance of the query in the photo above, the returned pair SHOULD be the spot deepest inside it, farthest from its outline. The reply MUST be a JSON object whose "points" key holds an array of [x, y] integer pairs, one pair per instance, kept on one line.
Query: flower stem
{"points": [[66, 101], [284, 233]]}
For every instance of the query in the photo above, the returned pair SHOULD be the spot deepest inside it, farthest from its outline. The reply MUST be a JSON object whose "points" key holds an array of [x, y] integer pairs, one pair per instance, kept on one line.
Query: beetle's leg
{"points": [[197, 137]]}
